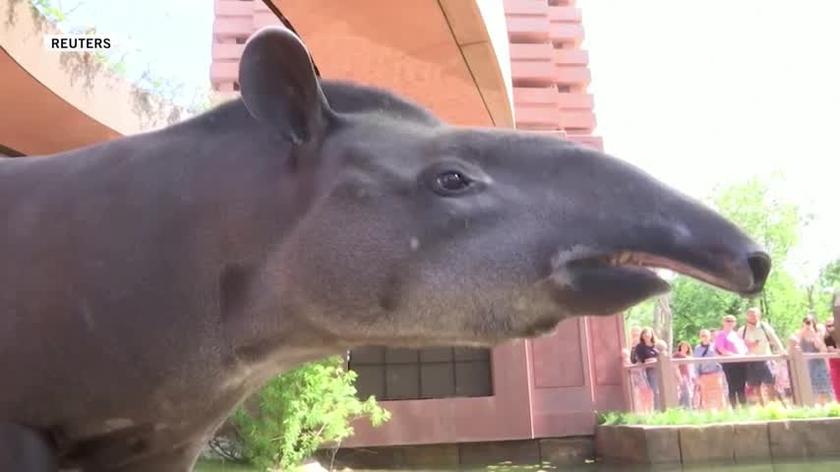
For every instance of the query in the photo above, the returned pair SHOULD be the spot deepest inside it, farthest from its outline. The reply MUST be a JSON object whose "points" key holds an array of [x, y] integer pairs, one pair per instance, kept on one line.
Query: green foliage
{"points": [[641, 314], [776, 225], [773, 222], [821, 294], [301, 410], [830, 275], [52, 12], [786, 301], [697, 306], [678, 416]]}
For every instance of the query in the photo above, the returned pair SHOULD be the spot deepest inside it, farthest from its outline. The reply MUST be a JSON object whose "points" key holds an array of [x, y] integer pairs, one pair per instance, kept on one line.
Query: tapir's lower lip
{"points": [[598, 286], [643, 264]]}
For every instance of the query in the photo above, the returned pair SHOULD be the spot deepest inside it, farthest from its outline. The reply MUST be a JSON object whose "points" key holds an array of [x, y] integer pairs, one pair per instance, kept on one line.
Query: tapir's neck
{"points": [[163, 226], [267, 193]]}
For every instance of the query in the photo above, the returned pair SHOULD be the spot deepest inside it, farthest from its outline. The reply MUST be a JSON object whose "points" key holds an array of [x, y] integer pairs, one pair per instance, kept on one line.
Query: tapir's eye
{"points": [[452, 181]]}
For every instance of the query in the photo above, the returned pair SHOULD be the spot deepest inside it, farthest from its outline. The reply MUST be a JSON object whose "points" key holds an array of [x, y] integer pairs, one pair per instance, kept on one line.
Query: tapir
{"points": [[151, 283]]}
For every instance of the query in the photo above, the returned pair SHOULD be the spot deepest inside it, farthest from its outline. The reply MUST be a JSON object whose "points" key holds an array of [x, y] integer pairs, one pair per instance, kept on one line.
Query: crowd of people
{"points": [[714, 385]]}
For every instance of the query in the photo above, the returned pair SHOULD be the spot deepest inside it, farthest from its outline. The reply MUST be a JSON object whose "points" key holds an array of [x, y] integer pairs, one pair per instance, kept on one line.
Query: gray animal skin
{"points": [[151, 283]]}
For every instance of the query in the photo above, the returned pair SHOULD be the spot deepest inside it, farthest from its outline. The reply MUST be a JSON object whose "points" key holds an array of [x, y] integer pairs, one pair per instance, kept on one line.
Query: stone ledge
{"points": [[800, 439], [638, 444], [720, 443], [699, 444], [751, 442]]}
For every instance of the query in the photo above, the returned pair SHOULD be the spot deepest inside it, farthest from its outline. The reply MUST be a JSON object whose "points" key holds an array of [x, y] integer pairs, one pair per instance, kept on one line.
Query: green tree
{"points": [[775, 224], [301, 410], [697, 306], [52, 12], [641, 314], [830, 275], [821, 293]]}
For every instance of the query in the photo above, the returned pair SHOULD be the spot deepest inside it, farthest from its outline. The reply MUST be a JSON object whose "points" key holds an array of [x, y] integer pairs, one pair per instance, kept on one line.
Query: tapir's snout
{"points": [[634, 224], [614, 277], [695, 241], [759, 263]]}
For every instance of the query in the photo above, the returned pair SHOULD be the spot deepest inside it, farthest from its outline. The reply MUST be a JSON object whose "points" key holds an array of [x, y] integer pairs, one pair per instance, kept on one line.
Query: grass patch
{"points": [[677, 416]]}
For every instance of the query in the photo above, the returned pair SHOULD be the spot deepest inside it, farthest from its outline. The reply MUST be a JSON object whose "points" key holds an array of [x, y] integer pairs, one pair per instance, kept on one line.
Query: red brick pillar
{"points": [[235, 21]]}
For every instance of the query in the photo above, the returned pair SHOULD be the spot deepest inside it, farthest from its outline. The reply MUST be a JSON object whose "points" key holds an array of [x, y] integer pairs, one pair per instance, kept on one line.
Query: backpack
{"points": [[763, 329], [760, 325]]}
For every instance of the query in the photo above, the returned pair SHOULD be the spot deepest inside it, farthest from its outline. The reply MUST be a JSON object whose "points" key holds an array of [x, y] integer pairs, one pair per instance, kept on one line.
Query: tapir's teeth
{"points": [[621, 258], [629, 258], [625, 258], [653, 262]]}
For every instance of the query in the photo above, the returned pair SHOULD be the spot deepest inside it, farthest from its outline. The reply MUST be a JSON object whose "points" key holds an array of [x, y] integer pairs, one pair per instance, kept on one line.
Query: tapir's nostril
{"points": [[760, 266]]}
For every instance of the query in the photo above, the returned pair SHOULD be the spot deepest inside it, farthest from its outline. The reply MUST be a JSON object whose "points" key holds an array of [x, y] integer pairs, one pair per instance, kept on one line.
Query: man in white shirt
{"points": [[761, 339]]}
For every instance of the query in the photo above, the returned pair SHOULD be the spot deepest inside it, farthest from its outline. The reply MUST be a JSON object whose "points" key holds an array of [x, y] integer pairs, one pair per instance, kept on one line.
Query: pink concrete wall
{"points": [[505, 415], [235, 21], [549, 69], [576, 370]]}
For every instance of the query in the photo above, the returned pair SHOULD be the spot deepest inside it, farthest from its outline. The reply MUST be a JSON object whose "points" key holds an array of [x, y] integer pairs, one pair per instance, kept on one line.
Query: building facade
{"points": [[548, 387]]}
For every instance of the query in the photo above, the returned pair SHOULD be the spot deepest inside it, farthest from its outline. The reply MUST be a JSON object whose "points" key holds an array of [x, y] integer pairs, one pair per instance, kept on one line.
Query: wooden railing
{"points": [[795, 361]]}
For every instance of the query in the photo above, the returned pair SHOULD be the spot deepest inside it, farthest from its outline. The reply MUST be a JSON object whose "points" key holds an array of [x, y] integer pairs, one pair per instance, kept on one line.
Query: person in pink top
{"points": [[728, 343], [834, 363]]}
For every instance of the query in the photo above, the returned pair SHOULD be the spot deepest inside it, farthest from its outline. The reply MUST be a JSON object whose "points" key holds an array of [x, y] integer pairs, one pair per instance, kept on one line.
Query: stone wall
{"points": [[723, 444]]}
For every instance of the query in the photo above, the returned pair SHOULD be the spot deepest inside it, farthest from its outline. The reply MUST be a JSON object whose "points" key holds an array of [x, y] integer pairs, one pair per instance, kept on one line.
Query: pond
{"points": [[826, 465], [821, 465]]}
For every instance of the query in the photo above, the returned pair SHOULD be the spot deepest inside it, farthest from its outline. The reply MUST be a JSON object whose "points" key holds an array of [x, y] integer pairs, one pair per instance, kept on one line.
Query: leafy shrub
{"points": [[301, 410]]}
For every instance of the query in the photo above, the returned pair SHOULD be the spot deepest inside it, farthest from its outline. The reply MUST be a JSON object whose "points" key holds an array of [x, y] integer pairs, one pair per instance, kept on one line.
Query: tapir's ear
{"points": [[279, 86]]}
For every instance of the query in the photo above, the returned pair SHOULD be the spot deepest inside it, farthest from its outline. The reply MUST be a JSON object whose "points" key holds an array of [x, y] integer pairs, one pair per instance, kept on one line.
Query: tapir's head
{"points": [[423, 233]]}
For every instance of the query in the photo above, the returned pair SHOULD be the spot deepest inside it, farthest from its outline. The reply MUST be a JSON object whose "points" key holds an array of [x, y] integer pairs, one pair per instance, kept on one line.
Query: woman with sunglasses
{"points": [[810, 341], [728, 343]]}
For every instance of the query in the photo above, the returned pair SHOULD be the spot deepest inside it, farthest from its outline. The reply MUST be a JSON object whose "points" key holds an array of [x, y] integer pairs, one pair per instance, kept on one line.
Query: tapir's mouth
{"points": [[607, 283], [642, 264]]}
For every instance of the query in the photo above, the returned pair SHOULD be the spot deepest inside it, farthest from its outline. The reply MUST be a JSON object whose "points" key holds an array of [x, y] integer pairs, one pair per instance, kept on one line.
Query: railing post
{"points": [[836, 310], [668, 396], [627, 385], [800, 377]]}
